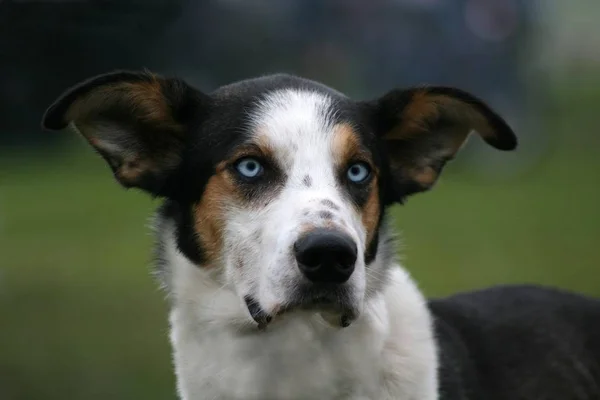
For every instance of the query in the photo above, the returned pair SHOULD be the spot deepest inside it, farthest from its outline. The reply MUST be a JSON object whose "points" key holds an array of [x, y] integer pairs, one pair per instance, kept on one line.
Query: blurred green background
{"points": [[80, 315]]}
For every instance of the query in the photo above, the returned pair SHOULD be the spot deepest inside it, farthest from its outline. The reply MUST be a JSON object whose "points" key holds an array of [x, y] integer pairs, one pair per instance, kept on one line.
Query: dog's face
{"points": [[276, 185]]}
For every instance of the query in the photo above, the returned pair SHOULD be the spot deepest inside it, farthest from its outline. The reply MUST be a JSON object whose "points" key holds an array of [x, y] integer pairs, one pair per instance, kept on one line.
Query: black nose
{"points": [[326, 255]]}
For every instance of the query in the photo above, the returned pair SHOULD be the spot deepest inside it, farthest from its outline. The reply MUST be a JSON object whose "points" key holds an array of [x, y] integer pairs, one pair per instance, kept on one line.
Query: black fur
{"points": [[187, 242], [518, 342]]}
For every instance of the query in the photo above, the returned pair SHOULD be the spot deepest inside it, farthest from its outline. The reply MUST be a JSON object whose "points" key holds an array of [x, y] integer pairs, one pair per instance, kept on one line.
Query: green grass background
{"points": [[81, 318]]}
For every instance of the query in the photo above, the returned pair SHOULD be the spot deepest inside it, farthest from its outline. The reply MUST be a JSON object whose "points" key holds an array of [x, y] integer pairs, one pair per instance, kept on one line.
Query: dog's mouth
{"points": [[261, 317], [332, 302]]}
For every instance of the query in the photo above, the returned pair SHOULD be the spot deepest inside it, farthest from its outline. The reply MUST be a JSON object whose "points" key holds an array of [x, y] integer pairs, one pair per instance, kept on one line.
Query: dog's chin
{"points": [[333, 303]]}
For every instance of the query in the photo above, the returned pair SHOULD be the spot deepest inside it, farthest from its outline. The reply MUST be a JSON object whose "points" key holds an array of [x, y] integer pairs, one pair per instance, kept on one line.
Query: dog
{"points": [[275, 251]]}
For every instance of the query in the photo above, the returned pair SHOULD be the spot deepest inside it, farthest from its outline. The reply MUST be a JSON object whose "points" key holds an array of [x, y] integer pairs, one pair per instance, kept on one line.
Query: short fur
{"points": [[245, 322]]}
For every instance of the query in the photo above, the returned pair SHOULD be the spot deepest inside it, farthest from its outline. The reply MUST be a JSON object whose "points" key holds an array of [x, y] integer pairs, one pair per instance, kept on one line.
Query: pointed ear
{"points": [[137, 121], [423, 128]]}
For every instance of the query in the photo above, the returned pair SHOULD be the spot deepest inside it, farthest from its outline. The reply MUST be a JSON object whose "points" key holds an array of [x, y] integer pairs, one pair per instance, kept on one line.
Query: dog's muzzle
{"points": [[326, 258], [257, 313]]}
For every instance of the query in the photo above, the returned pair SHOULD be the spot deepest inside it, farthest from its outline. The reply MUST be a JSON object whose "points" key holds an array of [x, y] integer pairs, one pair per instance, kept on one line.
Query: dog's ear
{"points": [[423, 128], [136, 121]]}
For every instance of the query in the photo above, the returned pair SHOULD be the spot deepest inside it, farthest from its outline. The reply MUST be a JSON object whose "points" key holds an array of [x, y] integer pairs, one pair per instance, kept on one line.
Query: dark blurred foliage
{"points": [[361, 47]]}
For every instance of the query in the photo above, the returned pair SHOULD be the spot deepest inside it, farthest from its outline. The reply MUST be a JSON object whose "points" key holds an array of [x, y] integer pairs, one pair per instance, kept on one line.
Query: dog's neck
{"points": [[387, 353]]}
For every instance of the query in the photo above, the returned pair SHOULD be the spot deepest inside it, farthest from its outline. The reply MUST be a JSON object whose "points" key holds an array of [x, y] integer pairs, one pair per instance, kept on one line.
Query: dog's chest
{"points": [[295, 361]]}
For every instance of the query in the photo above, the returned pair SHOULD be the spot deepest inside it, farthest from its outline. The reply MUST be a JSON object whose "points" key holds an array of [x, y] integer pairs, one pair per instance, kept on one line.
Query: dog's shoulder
{"points": [[529, 304], [490, 341]]}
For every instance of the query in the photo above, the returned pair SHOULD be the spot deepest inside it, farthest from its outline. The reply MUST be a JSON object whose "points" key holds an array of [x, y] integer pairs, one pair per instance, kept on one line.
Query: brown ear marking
{"points": [[424, 127], [136, 120], [414, 111], [57, 115]]}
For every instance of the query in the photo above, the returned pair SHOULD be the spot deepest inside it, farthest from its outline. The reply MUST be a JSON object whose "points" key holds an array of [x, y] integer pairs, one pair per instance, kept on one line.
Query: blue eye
{"points": [[249, 167], [358, 172]]}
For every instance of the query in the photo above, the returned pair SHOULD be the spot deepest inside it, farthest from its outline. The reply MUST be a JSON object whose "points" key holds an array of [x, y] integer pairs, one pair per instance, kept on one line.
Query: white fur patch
{"points": [[388, 353]]}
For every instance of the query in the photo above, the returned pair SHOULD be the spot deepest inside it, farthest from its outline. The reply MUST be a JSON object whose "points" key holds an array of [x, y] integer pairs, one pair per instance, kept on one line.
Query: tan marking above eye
{"points": [[264, 145], [347, 148], [260, 149], [245, 150], [346, 144]]}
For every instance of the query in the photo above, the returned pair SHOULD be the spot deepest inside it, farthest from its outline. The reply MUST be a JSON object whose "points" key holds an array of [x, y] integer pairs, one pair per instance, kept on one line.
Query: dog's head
{"points": [[278, 184]]}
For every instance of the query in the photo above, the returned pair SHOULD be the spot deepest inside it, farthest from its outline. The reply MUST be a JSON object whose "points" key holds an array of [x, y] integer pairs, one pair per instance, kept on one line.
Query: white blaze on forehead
{"points": [[298, 127]]}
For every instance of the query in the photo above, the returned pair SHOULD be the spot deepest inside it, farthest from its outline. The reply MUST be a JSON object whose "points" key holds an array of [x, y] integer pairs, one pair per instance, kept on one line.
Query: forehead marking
{"points": [[346, 143], [330, 204], [293, 121], [326, 214], [307, 181]]}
